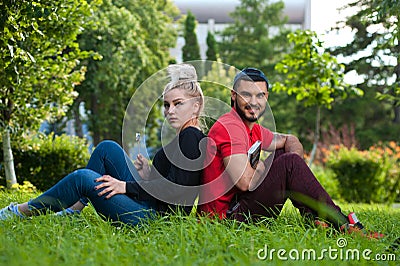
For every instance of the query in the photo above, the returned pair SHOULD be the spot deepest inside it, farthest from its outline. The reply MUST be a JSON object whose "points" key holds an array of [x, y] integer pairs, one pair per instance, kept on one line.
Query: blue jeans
{"points": [[107, 159]]}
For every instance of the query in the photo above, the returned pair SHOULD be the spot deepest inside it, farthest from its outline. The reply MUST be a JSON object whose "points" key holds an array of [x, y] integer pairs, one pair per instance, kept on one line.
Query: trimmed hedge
{"points": [[44, 160], [367, 176]]}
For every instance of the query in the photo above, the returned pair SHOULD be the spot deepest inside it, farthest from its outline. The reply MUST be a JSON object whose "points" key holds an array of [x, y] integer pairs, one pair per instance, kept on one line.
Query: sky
{"points": [[324, 15]]}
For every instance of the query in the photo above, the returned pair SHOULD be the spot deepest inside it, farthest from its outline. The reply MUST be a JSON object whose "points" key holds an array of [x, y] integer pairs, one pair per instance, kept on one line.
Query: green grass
{"points": [[180, 240]]}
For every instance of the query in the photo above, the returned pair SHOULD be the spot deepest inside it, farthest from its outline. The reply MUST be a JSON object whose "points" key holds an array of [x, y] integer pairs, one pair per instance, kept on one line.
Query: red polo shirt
{"points": [[228, 136]]}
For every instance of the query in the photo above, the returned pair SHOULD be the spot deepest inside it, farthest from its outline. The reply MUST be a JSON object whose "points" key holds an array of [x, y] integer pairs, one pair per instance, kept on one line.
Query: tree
{"points": [[389, 10], [212, 47], [374, 54], [257, 36], [133, 38], [211, 53], [191, 49], [40, 58], [386, 12], [314, 76]]}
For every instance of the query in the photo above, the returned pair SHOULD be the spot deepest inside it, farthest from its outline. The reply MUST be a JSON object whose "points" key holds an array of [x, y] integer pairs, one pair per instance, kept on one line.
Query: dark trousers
{"points": [[289, 177]]}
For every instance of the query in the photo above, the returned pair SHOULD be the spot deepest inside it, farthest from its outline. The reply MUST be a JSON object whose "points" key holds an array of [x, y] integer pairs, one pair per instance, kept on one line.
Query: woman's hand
{"points": [[111, 185], [142, 166]]}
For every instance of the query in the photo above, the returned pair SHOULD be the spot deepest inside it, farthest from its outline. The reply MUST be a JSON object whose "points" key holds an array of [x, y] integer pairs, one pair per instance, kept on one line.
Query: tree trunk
{"points": [[316, 136], [8, 159], [396, 118], [94, 122], [77, 118]]}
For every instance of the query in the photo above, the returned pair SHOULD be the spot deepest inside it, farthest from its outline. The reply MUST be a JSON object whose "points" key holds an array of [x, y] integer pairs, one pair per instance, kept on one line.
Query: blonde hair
{"points": [[184, 77]]}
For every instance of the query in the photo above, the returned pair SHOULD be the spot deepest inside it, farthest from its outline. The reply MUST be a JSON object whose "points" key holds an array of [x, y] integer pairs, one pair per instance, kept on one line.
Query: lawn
{"points": [[178, 240]]}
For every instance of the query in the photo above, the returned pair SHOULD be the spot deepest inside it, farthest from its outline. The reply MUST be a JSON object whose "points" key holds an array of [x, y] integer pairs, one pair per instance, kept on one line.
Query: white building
{"points": [[213, 15]]}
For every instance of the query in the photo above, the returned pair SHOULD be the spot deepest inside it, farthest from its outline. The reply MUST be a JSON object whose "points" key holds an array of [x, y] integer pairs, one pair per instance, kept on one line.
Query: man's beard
{"points": [[242, 114]]}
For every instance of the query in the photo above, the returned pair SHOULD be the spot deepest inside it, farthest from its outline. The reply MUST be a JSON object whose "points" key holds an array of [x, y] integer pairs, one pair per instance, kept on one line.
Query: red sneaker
{"points": [[321, 224], [354, 226]]}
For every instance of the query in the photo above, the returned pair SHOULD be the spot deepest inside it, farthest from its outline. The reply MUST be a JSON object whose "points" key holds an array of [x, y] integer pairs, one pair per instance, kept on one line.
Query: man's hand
{"points": [[142, 166], [111, 185], [288, 142]]}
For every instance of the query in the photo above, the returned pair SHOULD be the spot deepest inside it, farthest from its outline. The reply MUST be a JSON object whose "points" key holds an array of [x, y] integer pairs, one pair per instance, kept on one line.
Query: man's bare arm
{"points": [[288, 142], [242, 174]]}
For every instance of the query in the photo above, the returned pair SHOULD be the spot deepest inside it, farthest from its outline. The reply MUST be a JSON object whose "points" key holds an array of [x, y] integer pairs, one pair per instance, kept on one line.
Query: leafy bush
{"points": [[26, 187], [367, 176], [44, 160]]}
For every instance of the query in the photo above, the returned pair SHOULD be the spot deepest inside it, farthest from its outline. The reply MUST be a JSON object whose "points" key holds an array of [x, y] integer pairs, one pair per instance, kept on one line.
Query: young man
{"points": [[234, 189]]}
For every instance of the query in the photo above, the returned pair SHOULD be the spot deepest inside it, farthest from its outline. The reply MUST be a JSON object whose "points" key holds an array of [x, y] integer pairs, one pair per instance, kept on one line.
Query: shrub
{"points": [[44, 160], [26, 187], [367, 176]]}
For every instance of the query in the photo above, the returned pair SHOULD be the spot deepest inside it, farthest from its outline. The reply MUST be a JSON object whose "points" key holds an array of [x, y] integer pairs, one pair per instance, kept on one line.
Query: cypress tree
{"points": [[212, 48], [191, 49]]}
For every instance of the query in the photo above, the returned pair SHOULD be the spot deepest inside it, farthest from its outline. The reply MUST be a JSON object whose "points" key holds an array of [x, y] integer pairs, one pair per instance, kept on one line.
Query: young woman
{"points": [[122, 191]]}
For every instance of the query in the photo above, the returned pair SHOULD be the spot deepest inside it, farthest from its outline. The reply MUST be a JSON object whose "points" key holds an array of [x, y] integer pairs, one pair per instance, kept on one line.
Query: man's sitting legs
{"points": [[289, 177]]}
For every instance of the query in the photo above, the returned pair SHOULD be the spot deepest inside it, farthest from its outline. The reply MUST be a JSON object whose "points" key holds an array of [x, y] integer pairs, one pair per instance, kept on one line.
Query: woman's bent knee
{"points": [[85, 174], [107, 144]]}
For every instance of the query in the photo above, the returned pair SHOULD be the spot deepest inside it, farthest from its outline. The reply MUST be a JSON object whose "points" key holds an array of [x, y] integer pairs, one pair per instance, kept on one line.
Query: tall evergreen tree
{"points": [[191, 49], [374, 55], [387, 11], [212, 47]]}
